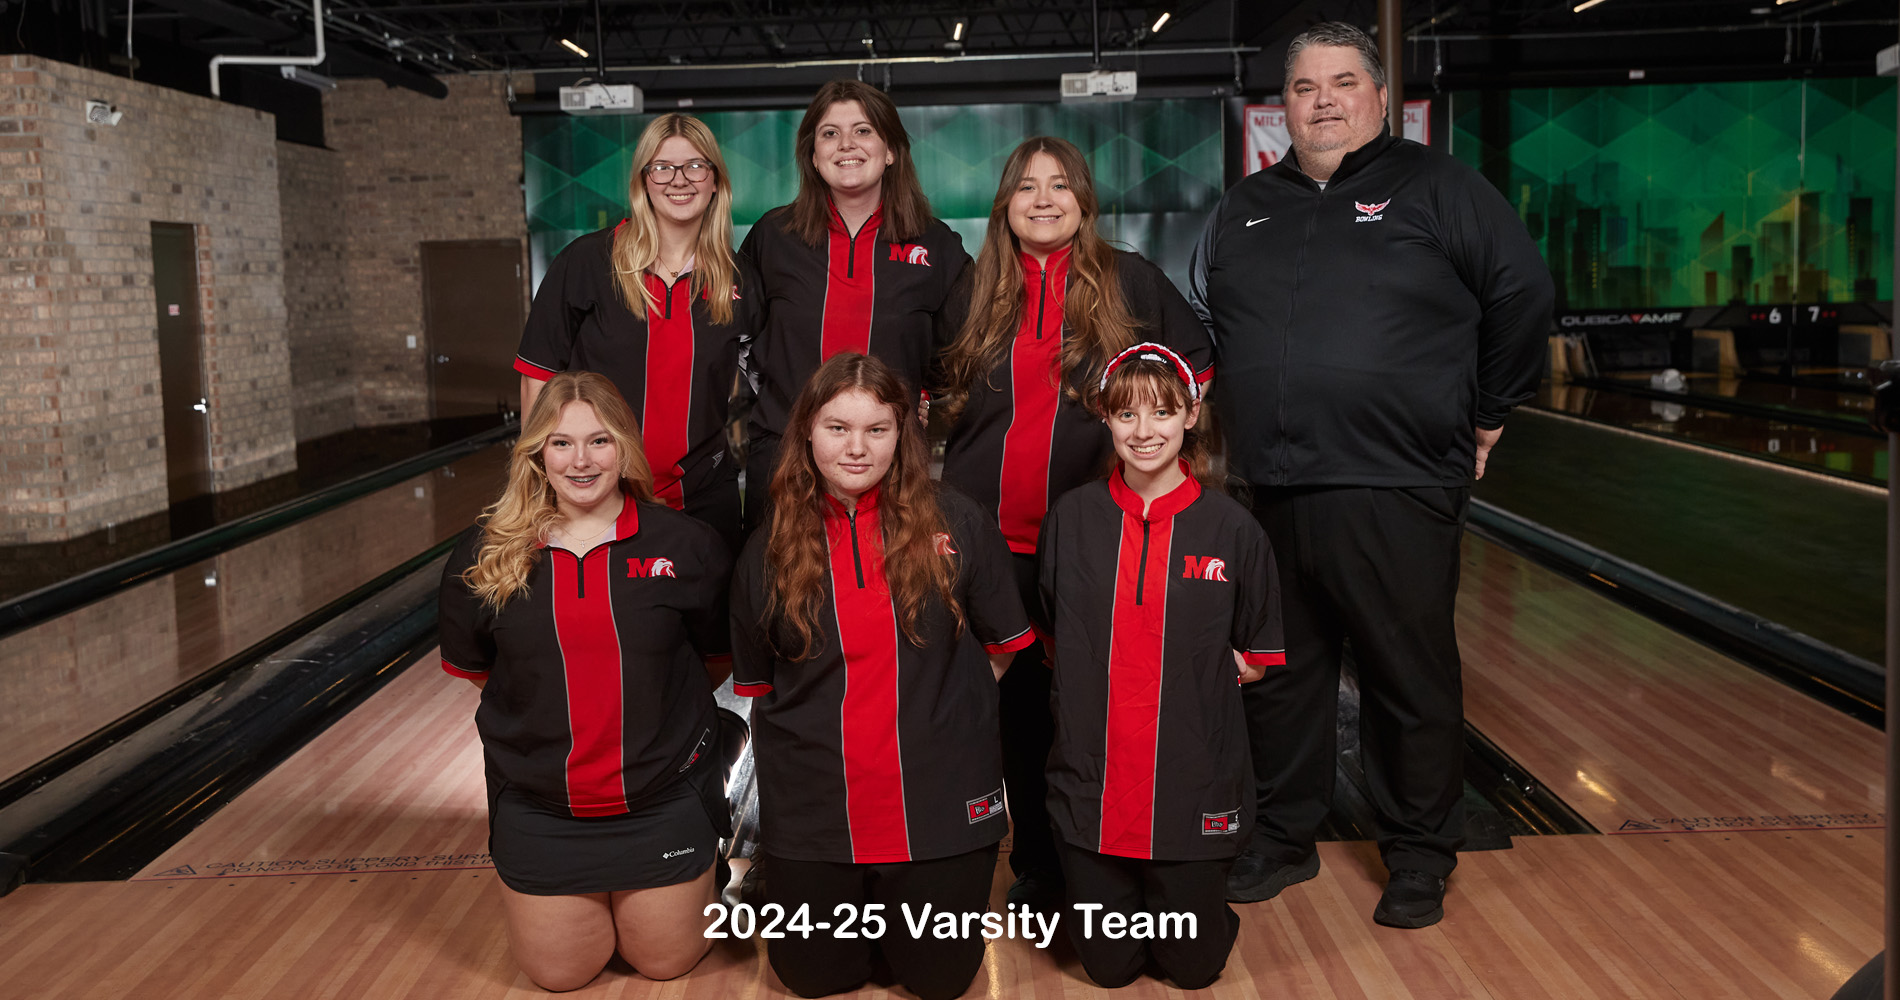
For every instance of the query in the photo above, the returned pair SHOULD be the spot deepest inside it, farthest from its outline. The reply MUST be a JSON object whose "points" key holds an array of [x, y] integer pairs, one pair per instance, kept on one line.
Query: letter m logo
{"points": [[656, 566], [1205, 568]]}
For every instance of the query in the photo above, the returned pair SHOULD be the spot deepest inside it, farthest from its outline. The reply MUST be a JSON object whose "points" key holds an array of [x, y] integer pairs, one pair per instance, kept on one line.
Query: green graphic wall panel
{"points": [[1762, 192], [1157, 167]]}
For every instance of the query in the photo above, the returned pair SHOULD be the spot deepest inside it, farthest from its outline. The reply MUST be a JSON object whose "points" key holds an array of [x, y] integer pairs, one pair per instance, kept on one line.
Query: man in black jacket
{"points": [[1377, 309]]}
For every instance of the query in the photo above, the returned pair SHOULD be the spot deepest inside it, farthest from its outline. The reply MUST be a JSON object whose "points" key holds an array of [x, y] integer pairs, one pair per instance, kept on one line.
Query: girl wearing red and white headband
{"points": [[1151, 584], [1049, 302]]}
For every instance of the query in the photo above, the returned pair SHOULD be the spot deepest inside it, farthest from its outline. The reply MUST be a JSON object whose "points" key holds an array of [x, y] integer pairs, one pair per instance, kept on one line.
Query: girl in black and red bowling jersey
{"points": [[594, 621], [855, 263], [871, 621], [1155, 589], [660, 305], [1049, 303]]}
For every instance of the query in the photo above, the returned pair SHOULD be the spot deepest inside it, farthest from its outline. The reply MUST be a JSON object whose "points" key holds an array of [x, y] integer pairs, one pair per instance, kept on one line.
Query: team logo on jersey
{"points": [[656, 566], [1205, 568], [1370, 213], [1220, 824], [985, 807], [944, 548], [911, 253]]}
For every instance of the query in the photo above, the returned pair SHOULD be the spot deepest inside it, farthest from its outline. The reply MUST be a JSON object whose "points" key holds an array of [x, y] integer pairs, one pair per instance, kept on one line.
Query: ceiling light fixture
{"points": [[1159, 21], [1585, 5], [577, 50], [956, 34]]}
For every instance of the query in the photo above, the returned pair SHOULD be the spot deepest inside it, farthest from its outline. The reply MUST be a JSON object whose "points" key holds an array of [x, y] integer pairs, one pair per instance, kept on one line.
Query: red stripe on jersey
{"points": [[590, 657], [751, 690], [473, 675], [867, 632], [1134, 687], [850, 285], [1035, 394], [1023, 640], [532, 370], [669, 389], [1254, 659]]}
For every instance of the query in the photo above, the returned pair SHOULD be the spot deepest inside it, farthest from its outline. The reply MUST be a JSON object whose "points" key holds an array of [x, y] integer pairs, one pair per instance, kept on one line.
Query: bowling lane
{"points": [[1832, 451], [1805, 551], [63, 679]]}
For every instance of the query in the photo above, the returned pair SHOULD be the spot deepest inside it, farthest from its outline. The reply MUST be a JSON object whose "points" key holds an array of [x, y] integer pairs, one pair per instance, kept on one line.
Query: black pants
{"points": [[933, 969], [1377, 568], [1029, 730], [1128, 886]]}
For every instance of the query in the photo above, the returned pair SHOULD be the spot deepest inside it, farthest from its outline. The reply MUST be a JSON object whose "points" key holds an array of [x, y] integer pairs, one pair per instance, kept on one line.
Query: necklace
{"points": [[579, 544]]}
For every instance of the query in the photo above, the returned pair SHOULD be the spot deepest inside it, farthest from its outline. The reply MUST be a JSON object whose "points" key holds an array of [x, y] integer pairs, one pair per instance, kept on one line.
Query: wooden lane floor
{"points": [[358, 869], [1641, 730], [63, 679]]}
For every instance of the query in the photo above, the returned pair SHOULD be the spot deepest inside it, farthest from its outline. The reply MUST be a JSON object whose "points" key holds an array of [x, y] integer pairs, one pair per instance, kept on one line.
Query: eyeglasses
{"points": [[662, 173]]}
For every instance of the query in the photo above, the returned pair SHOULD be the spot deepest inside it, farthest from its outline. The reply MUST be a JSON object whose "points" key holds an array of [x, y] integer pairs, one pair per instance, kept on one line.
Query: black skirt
{"points": [[544, 850]]}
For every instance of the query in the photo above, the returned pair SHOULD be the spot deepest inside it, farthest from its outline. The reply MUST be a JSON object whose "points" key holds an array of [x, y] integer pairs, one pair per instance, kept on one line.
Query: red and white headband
{"points": [[1150, 351]]}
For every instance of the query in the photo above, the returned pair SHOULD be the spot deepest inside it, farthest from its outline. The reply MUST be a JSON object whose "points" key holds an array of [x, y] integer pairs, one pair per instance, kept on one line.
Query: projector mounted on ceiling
{"points": [[1098, 85], [603, 99]]}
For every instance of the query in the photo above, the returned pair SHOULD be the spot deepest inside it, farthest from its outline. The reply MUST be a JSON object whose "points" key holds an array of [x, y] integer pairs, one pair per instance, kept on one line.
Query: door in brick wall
{"points": [[181, 359], [472, 315]]}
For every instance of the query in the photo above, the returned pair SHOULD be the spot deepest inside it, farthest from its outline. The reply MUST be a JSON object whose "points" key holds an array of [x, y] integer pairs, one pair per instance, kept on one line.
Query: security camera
{"points": [[101, 113]]}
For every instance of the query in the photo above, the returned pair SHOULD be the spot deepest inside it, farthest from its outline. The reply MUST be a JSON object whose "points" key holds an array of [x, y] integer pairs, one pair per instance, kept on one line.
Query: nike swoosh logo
{"points": [[1254, 222]]}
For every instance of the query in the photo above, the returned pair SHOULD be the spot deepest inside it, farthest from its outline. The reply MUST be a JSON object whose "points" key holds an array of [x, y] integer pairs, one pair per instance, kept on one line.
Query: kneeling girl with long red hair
{"points": [[871, 619]]}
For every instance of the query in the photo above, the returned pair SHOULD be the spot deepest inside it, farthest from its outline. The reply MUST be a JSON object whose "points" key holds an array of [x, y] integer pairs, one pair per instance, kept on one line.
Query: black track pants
{"points": [[1029, 730], [1127, 886]]}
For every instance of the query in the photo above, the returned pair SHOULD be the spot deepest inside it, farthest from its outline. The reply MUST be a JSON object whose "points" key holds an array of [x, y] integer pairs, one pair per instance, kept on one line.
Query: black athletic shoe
{"points": [[1412, 899], [1254, 878], [1037, 889]]}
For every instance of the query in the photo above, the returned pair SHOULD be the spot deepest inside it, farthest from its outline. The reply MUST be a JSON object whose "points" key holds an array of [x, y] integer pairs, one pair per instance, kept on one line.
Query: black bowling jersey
{"points": [[863, 293], [1021, 441], [674, 365], [1150, 758], [597, 693], [877, 750]]}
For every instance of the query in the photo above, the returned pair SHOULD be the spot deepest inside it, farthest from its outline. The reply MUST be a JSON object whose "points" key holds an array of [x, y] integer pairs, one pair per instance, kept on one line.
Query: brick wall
{"points": [[82, 445], [312, 191], [419, 169]]}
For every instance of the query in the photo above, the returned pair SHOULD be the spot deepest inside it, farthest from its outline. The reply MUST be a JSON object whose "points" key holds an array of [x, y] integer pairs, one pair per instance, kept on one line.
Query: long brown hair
{"points": [[1140, 382], [906, 210], [637, 244], [796, 553], [527, 510], [1093, 309]]}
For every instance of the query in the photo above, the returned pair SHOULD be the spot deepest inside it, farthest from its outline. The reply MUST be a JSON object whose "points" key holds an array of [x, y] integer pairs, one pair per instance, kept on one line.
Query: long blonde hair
{"points": [[1094, 309], [527, 511], [637, 243]]}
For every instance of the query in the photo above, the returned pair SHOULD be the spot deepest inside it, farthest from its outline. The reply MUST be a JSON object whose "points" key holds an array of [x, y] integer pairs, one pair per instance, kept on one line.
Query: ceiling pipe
{"points": [[316, 59], [881, 60]]}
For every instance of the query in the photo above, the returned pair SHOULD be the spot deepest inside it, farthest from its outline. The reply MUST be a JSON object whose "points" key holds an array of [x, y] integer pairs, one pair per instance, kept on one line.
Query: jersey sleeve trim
{"points": [[1264, 658], [751, 690], [452, 669], [1021, 640], [1205, 375], [532, 370]]}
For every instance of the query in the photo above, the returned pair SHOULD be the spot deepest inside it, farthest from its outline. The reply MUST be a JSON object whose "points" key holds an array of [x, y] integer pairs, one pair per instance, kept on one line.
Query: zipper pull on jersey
{"points": [[857, 560], [1141, 571]]}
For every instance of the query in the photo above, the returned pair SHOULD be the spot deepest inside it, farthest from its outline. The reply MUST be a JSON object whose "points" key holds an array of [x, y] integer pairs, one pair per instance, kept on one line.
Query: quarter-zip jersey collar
{"points": [[626, 524], [1167, 505], [1353, 161], [836, 221], [1057, 265]]}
